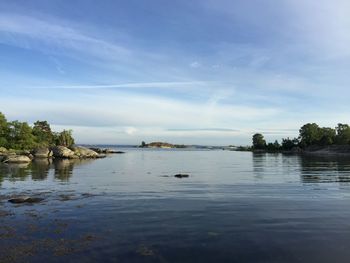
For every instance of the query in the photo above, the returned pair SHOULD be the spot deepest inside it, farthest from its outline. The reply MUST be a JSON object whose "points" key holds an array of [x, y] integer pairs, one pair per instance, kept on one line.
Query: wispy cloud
{"points": [[164, 85], [204, 130], [56, 33], [195, 64]]}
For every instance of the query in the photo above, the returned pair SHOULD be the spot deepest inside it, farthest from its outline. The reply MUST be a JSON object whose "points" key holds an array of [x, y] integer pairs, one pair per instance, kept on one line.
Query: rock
{"points": [[111, 151], [106, 151], [42, 152], [23, 152], [3, 150], [17, 159], [25, 199], [181, 175], [63, 152], [98, 150], [83, 152]]}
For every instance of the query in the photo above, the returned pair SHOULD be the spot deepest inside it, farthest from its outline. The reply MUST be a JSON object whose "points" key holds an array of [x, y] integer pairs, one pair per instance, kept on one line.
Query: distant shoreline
{"points": [[314, 150]]}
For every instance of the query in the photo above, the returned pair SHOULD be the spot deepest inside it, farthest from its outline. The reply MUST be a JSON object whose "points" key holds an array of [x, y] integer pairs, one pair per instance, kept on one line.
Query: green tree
{"points": [[20, 136], [343, 134], [3, 130], [259, 142], [65, 138], [309, 134], [273, 147], [327, 136], [289, 144], [43, 133]]}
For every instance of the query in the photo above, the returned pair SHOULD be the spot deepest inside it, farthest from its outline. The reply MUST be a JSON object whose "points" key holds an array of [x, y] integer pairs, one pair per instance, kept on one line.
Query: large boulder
{"points": [[3, 150], [17, 159], [42, 152], [84, 152], [62, 152]]}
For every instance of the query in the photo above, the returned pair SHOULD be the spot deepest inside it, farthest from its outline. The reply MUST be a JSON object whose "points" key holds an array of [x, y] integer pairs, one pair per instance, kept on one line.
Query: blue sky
{"points": [[201, 71]]}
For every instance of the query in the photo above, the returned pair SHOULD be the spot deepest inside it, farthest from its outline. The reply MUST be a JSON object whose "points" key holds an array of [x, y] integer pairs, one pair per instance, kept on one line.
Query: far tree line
{"points": [[21, 136], [310, 134]]}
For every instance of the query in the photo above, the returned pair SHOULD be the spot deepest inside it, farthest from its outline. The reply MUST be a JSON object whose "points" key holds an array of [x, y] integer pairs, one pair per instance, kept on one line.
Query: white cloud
{"points": [[132, 110], [195, 64]]}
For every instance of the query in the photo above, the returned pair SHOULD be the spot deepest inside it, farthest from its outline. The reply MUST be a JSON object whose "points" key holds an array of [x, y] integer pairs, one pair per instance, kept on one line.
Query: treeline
{"points": [[309, 134], [21, 136]]}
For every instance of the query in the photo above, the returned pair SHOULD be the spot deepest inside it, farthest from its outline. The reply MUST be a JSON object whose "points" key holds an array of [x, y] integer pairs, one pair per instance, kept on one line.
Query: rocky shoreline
{"points": [[59, 152]]}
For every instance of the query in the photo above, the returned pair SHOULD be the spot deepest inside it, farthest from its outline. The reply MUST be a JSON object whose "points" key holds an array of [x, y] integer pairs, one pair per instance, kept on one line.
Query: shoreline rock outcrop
{"points": [[42, 152], [63, 152], [84, 152], [55, 152], [105, 151], [16, 159]]}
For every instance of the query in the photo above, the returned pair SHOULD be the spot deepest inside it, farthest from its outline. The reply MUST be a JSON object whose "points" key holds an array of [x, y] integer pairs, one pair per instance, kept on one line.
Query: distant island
{"points": [[163, 145]]}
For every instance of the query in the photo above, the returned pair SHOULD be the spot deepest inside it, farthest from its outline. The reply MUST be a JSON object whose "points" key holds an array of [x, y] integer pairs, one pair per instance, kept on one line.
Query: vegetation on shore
{"points": [[310, 134], [21, 136]]}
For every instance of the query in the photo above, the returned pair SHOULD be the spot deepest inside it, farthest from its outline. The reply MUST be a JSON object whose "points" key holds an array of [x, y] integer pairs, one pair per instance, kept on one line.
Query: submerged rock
{"points": [[17, 159], [25, 199], [181, 175]]}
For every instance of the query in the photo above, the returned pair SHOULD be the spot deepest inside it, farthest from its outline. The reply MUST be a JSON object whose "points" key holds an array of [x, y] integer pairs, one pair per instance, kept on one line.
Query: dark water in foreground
{"points": [[234, 207]]}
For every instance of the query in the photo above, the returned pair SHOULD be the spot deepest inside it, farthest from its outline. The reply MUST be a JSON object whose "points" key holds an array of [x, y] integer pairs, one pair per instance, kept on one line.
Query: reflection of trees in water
{"points": [[274, 164], [40, 168], [15, 172], [64, 167], [259, 164], [320, 169]]}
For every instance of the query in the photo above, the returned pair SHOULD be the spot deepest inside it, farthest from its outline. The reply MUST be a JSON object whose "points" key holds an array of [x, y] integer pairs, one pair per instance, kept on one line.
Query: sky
{"points": [[209, 72]]}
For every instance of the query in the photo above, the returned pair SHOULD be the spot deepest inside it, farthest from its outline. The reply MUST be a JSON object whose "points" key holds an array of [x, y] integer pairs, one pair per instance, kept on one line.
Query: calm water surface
{"points": [[234, 207]]}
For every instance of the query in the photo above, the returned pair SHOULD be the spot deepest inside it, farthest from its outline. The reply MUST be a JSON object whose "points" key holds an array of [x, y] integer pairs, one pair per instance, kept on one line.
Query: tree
{"points": [[259, 142], [65, 138], [309, 134], [327, 136], [273, 147], [3, 130], [343, 134], [20, 136], [289, 144], [143, 144], [42, 132]]}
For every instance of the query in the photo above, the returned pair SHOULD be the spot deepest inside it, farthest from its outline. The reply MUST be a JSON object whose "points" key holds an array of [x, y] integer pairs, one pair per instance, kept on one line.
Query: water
{"points": [[234, 207]]}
